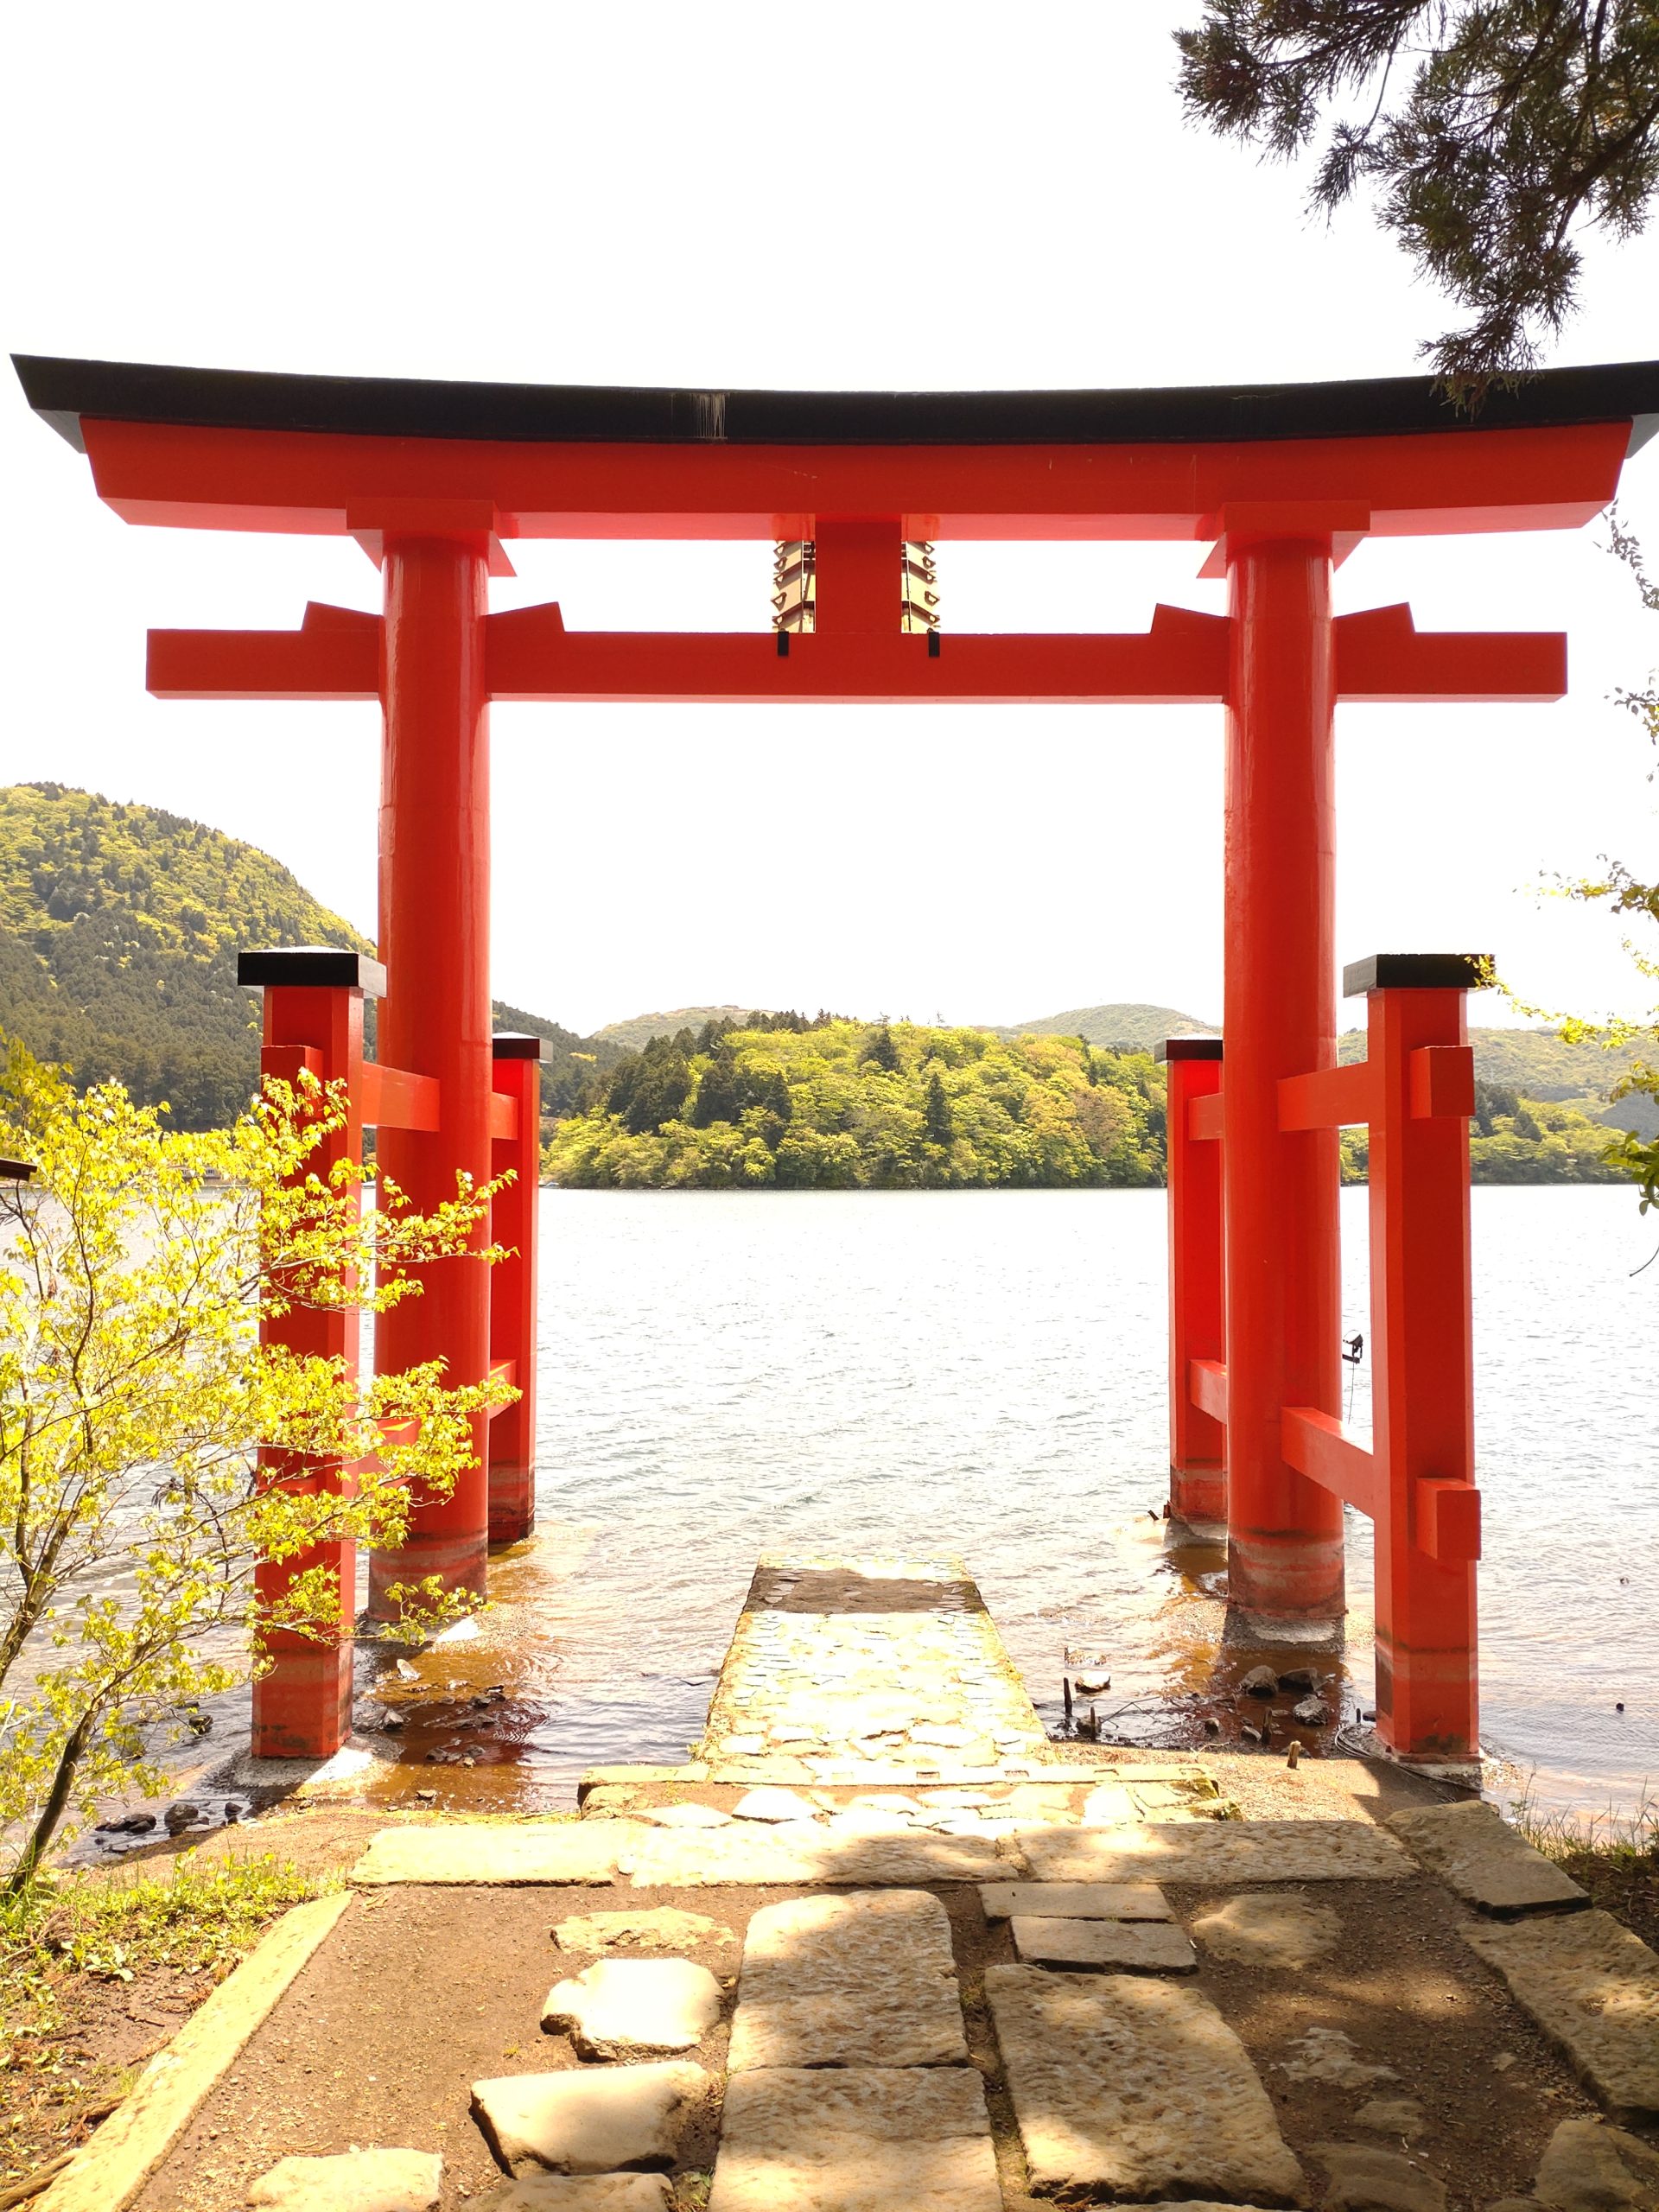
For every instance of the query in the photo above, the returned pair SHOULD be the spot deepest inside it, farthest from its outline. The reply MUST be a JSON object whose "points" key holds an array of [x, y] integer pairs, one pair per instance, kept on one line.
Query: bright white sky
{"points": [[775, 197]]}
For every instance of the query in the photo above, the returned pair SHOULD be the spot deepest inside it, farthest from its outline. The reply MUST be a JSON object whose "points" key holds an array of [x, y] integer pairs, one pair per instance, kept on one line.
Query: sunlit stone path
{"points": [[879, 1947]]}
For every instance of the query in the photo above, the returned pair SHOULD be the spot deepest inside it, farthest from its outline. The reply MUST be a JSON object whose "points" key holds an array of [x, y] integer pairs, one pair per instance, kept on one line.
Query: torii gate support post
{"points": [[1426, 1509], [1197, 1440], [517, 1074], [435, 939], [312, 1020], [1283, 1299]]}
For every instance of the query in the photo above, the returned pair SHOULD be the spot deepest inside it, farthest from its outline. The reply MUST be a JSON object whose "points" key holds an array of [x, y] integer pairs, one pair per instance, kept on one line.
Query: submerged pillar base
{"points": [[513, 1502], [458, 1562]]}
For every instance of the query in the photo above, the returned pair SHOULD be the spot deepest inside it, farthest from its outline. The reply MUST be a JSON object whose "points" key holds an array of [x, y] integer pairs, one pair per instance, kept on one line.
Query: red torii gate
{"points": [[434, 481]]}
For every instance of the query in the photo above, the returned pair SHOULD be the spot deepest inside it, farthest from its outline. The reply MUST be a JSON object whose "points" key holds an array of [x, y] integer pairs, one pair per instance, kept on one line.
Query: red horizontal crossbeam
{"points": [[395, 1099], [1383, 659], [1327, 1098], [1206, 1385], [1204, 1116], [504, 1117], [1320, 1447], [331, 483], [1183, 660]]}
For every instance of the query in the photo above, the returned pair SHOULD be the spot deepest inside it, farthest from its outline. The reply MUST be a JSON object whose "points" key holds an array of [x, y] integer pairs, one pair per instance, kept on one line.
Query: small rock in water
{"points": [[1312, 1712], [1212, 1725], [1251, 1735], [391, 1722], [427, 1796], [1092, 1685], [1261, 1681], [128, 1824], [408, 1673], [1298, 1678], [183, 1815], [198, 1723], [232, 1810]]}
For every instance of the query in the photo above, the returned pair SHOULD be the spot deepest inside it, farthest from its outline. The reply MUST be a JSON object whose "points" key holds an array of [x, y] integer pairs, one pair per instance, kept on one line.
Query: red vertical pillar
{"points": [[518, 1061], [435, 930], [1198, 1442], [314, 1019], [1284, 1316], [1428, 1510]]}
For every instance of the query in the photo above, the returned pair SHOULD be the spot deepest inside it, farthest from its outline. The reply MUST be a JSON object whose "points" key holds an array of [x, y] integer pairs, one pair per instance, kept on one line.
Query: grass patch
{"points": [[1615, 1858], [112, 1927]]}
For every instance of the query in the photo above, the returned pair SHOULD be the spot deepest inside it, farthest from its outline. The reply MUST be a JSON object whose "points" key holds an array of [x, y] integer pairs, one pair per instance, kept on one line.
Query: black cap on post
{"points": [[518, 1045], [316, 967], [17, 1171], [1188, 1048], [1417, 971]]}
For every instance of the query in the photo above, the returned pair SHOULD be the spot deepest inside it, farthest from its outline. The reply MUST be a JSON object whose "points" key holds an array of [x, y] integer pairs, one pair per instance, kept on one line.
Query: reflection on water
{"points": [[983, 1373]]}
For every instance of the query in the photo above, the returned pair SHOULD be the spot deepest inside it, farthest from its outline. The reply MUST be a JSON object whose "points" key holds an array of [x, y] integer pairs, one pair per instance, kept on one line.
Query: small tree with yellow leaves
{"points": [[135, 1397]]}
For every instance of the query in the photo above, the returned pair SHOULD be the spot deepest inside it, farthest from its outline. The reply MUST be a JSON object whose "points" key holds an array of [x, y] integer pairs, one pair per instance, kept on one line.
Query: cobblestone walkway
{"points": [[973, 1977], [838, 1666]]}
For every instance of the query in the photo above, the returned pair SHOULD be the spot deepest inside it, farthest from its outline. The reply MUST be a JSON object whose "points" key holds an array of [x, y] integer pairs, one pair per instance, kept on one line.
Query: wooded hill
{"points": [[117, 953], [829, 1104]]}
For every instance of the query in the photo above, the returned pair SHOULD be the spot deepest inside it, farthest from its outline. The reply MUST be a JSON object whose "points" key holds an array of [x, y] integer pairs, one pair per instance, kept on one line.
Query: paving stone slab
{"points": [[1593, 1988], [688, 1813], [796, 1852], [1123, 1946], [1108, 1805], [577, 2193], [573, 1851], [354, 2181], [647, 1928], [1475, 1851], [1133, 2087], [861, 1980], [1218, 1853], [622, 2005], [865, 2138], [1269, 1928], [588, 2121], [1590, 2167], [1359, 2178], [771, 1805], [1074, 1901]]}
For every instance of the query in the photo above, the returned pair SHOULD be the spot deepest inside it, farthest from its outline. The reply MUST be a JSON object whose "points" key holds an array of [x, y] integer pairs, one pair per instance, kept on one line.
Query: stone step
{"points": [[1222, 1853], [1121, 1945], [867, 1980], [856, 2138], [1127, 2086], [1475, 1851], [1593, 1988], [839, 1668]]}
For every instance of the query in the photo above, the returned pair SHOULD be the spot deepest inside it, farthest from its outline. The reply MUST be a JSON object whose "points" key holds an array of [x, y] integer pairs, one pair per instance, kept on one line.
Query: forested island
{"points": [[830, 1103], [826, 1103]]}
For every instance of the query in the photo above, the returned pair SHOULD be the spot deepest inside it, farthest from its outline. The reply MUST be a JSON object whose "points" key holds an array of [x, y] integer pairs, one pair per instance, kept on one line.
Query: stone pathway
{"points": [[840, 1666], [1109, 1948]]}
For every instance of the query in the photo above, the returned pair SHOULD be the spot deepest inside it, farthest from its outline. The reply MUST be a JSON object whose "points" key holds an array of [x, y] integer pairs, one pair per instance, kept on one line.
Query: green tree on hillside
{"points": [[936, 1112]]}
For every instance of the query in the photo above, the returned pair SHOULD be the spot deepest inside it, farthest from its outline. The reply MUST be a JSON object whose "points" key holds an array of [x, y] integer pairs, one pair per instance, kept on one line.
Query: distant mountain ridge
{"points": [[1134, 1024], [119, 928]]}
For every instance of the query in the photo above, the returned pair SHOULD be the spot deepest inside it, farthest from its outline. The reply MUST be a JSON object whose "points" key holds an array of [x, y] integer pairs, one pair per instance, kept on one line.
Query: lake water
{"points": [[723, 1374]]}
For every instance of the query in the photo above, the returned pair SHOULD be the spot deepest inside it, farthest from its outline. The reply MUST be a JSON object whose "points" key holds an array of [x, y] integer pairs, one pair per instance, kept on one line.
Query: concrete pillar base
{"points": [[460, 1562]]}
